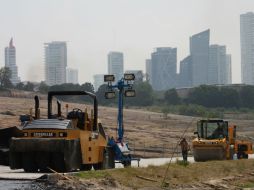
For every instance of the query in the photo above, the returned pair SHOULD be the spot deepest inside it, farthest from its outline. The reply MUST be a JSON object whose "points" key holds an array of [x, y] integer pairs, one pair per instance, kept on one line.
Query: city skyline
{"points": [[92, 33]]}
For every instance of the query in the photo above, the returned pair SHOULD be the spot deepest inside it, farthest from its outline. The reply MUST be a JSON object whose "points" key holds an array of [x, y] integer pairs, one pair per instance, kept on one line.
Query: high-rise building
{"points": [[185, 75], [72, 75], [163, 68], [199, 50], [217, 67], [10, 62], [247, 47], [55, 63], [149, 70], [228, 69], [115, 64], [98, 81]]}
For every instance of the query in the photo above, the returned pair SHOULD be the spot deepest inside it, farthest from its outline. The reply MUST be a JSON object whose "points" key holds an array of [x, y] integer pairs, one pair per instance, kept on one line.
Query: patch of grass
{"points": [[248, 185], [240, 166], [182, 163], [7, 113], [92, 174], [178, 173]]}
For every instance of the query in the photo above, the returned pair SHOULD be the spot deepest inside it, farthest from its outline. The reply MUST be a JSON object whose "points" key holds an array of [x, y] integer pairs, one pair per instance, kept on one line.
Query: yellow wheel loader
{"points": [[76, 142], [216, 140]]}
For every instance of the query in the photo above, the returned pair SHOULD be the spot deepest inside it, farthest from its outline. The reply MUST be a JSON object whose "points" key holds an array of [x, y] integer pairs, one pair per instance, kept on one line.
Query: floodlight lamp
{"points": [[110, 95], [130, 93], [129, 76], [109, 78]]}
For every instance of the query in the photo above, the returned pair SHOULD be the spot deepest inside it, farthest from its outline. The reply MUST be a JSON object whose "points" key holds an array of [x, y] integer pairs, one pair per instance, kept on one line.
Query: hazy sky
{"points": [[135, 27]]}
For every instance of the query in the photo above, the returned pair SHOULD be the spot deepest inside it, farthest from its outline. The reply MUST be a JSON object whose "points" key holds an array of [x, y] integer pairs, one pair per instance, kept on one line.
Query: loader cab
{"points": [[79, 117], [212, 129]]}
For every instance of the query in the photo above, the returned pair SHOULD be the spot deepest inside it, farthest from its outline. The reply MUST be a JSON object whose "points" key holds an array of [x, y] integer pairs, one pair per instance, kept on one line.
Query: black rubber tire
{"points": [[98, 166], [57, 162], [42, 161], [245, 156], [86, 167], [127, 164], [111, 158], [28, 162]]}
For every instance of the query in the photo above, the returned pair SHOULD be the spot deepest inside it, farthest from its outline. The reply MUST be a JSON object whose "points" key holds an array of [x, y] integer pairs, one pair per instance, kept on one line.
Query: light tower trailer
{"points": [[125, 88]]}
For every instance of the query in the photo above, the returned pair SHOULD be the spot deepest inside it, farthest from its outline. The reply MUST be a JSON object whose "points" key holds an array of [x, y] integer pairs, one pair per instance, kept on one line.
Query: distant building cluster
{"points": [[116, 68], [206, 63]]}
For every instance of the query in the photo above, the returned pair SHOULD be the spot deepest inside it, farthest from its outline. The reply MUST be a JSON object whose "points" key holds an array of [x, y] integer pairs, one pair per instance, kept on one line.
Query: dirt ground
{"points": [[142, 129], [148, 133]]}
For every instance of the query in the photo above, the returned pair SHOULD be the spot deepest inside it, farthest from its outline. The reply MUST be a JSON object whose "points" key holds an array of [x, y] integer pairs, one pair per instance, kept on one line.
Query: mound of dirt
{"points": [[62, 182]]}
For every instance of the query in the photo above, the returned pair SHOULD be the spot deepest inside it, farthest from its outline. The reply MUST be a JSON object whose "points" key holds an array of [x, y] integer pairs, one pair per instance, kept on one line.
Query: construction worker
{"points": [[185, 148]]}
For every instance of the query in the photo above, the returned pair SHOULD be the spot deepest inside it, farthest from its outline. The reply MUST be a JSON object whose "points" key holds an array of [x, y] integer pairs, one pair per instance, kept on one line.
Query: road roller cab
{"points": [[216, 140], [211, 142]]}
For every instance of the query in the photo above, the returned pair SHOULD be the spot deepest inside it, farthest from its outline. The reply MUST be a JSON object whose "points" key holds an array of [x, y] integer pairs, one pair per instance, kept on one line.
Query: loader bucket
{"points": [[5, 135]]}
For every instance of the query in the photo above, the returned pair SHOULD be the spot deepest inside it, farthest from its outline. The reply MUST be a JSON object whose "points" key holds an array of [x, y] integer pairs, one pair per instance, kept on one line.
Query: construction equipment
{"points": [[62, 144], [217, 141], [119, 146]]}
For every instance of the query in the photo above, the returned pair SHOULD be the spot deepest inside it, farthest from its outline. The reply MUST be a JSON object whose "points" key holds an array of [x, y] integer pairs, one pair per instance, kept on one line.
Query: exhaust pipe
{"points": [[59, 112], [37, 109]]}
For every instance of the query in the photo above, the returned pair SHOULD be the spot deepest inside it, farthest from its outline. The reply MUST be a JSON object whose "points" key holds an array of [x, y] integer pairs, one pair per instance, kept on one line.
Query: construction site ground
{"points": [[146, 129]]}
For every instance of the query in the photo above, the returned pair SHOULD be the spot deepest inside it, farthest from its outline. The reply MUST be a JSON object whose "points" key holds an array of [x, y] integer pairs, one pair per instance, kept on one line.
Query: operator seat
{"points": [[79, 115]]}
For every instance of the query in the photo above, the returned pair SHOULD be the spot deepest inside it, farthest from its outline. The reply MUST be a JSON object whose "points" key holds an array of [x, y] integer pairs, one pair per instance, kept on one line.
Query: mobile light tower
{"points": [[124, 88]]}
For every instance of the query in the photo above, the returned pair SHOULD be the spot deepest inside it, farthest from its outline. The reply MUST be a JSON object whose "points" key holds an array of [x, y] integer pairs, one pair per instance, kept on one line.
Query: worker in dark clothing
{"points": [[185, 148]]}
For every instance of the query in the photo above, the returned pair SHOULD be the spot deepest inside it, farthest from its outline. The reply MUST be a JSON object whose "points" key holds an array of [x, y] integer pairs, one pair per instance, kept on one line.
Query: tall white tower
{"points": [[10, 62], [55, 63]]}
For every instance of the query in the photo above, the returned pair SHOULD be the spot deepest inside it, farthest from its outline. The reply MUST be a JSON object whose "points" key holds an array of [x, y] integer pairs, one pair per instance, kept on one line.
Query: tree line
{"points": [[205, 95], [214, 97]]}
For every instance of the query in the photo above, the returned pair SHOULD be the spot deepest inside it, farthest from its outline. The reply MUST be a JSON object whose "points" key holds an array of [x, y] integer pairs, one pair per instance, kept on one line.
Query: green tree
{"points": [[100, 94], [87, 87], [247, 96], [229, 98], [5, 76], [43, 88], [20, 86], [171, 97], [208, 96], [29, 86], [144, 95], [165, 111]]}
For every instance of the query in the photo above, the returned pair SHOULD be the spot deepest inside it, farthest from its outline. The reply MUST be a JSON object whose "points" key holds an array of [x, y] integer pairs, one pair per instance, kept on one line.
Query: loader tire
{"points": [[98, 166], [109, 158], [28, 162], [127, 163], [58, 163], [42, 161], [86, 167]]}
